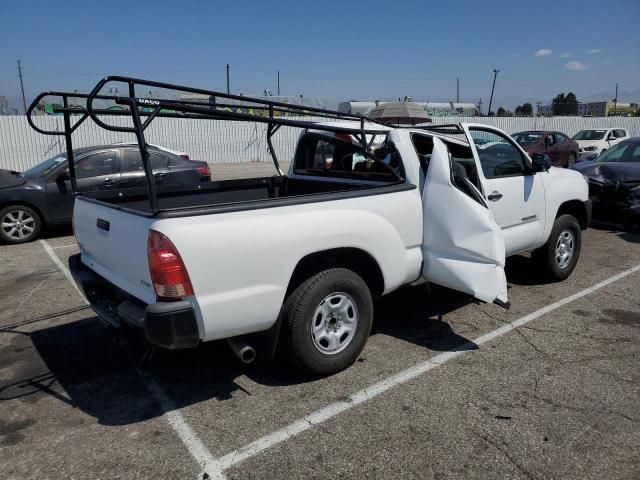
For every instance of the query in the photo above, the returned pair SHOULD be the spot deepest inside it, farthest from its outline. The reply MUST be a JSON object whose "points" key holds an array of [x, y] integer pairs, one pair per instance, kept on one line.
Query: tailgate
{"points": [[113, 243]]}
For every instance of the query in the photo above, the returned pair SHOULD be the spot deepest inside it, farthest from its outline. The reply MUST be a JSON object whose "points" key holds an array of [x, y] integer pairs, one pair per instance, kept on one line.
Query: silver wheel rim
{"points": [[564, 248], [18, 224], [334, 323]]}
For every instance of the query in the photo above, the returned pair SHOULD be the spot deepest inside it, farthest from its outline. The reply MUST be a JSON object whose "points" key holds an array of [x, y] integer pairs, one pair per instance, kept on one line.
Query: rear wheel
{"points": [[19, 224], [558, 257], [326, 321]]}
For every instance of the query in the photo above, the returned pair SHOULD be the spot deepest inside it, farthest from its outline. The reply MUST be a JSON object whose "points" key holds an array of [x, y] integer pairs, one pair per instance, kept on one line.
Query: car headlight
{"points": [[590, 149]]}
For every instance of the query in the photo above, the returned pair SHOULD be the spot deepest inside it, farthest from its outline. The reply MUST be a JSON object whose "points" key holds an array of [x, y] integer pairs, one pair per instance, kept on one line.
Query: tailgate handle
{"points": [[103, 224]]}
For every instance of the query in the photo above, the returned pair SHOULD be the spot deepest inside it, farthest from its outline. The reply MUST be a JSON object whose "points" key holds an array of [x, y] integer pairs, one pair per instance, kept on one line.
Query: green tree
{"points": [[565, 104], [518, 111], [572, 104], [501, 112], [527, 110]]}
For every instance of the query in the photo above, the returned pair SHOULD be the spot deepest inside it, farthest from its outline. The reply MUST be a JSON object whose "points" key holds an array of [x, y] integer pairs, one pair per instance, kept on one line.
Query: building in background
{"points": [[5, 109], [607, 109], [545, 111], [434, 109]]}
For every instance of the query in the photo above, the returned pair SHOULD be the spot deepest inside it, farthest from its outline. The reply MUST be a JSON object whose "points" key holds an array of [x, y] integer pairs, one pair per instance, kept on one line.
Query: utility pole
{"points": [[24, 101], [495, 74], [615, 101], [480, 107], [538, 108], [457, 89], [278, 82], [228, 86]]}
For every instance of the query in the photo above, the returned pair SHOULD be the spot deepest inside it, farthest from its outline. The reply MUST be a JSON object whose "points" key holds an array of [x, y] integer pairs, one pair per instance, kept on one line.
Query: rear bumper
{"points": [[171, 325]]}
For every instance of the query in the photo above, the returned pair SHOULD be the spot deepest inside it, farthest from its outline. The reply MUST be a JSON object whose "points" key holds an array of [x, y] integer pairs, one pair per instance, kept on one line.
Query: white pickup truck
{"points": [[295, 261]]}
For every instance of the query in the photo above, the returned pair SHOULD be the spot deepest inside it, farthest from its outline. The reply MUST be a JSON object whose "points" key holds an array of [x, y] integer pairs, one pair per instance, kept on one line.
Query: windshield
{"points": [[46, 166], [623, 152], [527, 138], [589, 135]]}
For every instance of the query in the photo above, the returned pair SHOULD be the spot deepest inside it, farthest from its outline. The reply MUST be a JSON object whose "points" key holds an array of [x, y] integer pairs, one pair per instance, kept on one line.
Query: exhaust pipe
{"points": [[242, 350]]}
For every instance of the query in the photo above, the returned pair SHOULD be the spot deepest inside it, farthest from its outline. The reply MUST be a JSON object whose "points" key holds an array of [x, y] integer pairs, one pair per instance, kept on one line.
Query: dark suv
{"points": [[42, 196], [562, 150]]}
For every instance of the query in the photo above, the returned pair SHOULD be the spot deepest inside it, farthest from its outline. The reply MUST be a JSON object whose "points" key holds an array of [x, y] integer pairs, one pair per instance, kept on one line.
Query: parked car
{"points": [[614, 182], [562, 151], [595, 141], [41, 196], [293, 262]]}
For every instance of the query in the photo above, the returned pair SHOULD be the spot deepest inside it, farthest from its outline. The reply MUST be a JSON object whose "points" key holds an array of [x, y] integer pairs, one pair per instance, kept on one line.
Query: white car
{"points": [[293, 262], [592, 142]]}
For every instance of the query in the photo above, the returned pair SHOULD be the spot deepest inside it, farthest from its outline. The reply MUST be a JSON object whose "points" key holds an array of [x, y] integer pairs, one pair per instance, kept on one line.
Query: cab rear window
{"points": [[334, 157]]}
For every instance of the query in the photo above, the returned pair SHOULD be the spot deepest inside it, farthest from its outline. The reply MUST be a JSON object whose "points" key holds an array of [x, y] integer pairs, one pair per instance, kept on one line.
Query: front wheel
{"points": [[19, 224], [327, 321], [558, 257]]}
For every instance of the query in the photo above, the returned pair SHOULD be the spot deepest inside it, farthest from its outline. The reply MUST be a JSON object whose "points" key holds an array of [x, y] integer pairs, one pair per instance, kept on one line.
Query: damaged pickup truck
{"points": [[294, 261], [614, 183]]}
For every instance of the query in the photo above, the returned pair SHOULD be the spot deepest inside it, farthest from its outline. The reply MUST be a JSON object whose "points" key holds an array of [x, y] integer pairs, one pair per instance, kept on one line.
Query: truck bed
{"points": [[229, 195]]}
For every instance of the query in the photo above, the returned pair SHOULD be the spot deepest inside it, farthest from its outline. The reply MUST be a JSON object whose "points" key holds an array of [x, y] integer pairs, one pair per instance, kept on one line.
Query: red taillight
{"points": [[168, 274], [204, 171]]}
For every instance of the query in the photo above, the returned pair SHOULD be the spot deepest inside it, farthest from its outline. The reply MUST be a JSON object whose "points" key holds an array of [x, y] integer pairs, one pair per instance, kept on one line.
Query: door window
{"points": [[99, 164], [133, 161], [620, 133], [560, 138], [498, 157]]}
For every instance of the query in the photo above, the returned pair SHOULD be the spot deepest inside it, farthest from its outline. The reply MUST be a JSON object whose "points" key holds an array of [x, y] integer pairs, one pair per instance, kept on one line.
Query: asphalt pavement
{"points": [[445, 388]]}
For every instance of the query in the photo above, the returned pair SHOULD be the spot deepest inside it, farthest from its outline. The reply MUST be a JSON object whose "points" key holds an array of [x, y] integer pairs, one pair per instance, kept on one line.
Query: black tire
{"points": [[300, 308], [19, 224], [571, 160], [547, 257]]}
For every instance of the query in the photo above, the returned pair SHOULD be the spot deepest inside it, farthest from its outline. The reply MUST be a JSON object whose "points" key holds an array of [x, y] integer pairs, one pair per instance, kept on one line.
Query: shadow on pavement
{"points": [[631, 235], [99, 370]]}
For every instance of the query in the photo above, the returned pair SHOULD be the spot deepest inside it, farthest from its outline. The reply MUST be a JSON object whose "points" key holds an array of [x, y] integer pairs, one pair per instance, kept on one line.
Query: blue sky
{"points": [[335, 50]]}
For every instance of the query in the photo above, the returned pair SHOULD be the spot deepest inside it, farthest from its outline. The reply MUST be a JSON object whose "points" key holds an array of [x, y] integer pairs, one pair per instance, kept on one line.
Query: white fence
{"points": [[228, 142]]}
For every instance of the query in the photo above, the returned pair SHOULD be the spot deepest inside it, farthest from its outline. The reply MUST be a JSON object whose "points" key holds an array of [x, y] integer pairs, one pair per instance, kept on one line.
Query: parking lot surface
{"points": [[445, 388]]}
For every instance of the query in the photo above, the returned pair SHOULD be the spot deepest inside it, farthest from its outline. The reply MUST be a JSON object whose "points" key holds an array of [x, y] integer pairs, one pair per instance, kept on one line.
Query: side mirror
{"points": [[612, 136], [63, 176], [541, 162]]}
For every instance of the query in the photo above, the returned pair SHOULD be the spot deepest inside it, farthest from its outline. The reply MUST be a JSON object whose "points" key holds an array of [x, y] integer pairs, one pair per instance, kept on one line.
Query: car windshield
{"points": [[589, 135], [46, 166], [527, 138], [623, 152]]}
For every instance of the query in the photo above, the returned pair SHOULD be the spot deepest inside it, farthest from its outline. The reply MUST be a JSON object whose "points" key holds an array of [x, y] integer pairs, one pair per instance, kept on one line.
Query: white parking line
{"points": [[66, 246], [200, 453], [330, 411]]}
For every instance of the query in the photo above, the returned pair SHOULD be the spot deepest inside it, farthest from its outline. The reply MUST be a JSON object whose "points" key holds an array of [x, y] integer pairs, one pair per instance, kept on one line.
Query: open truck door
{"points": [[463, 247]]}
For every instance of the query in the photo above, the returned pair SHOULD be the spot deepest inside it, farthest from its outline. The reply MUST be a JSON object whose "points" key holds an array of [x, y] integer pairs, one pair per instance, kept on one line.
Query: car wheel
{"points": [[572, 159], [558, 257], [19, 224], [327, 321]]}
